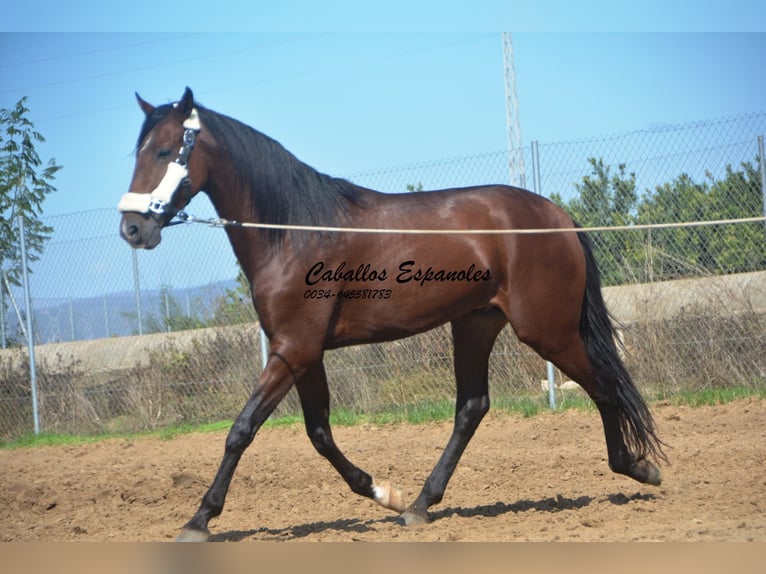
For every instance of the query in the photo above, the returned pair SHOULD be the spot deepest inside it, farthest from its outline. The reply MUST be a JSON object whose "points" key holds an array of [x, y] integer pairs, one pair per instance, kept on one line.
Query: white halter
{"points": [[176, 176]]}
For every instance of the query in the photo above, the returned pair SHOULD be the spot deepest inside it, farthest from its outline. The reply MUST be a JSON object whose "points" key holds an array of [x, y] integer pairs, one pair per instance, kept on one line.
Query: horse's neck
{"points": [[229, 198], [232, 202]]}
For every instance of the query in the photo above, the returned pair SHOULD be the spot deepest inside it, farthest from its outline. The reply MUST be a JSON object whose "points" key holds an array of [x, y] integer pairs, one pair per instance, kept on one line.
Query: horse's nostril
{"points": [[132, 231]]}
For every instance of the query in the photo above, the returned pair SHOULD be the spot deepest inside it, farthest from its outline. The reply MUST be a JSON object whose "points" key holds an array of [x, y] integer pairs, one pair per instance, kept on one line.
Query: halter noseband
{"points": [[158, 202]]}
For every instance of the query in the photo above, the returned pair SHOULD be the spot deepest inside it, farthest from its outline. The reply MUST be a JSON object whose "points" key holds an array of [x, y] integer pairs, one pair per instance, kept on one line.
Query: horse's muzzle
{"points": [[141, 231]]}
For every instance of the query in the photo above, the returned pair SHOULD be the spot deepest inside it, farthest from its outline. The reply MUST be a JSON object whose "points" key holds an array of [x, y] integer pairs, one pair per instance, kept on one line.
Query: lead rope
{"points": [[223, 223], [210, 222]]}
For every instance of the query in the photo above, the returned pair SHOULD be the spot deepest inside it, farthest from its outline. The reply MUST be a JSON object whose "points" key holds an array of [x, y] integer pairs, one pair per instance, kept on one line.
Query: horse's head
{"points": [[167, 172]]}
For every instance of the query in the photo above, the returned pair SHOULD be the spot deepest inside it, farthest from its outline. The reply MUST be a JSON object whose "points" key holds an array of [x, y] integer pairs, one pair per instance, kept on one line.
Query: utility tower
{"points": [[517, 174]]}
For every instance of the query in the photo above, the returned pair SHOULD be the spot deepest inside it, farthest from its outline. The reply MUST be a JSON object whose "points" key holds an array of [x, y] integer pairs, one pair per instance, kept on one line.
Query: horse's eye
{"points": [[163, 153]]}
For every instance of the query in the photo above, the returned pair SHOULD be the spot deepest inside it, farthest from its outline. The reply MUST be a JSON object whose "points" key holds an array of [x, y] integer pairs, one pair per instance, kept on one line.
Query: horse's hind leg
{"points": [[566, 321], [315, 401], [602, 384], [474, 335]]}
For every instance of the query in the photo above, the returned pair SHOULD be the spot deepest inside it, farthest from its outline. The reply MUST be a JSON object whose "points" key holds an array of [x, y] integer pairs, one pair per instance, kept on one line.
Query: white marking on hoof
{"points": [[388, 496], [189, 535]]}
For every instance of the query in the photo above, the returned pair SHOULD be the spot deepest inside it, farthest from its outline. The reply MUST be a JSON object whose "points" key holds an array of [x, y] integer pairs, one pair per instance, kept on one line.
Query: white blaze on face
{"points": [[161, 196], [146, 143]]}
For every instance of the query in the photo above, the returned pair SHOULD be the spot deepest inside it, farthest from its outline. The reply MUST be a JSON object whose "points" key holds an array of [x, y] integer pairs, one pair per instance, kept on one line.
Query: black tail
{"points": [[598, 333]]}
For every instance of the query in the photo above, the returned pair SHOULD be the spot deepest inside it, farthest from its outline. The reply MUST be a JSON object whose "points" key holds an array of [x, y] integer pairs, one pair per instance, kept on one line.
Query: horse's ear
{"points": [[186, 103], [145, 106]]}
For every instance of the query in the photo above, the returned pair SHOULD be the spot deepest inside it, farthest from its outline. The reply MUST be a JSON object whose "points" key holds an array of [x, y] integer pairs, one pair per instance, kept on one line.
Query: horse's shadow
{"points": [[353, 526]]}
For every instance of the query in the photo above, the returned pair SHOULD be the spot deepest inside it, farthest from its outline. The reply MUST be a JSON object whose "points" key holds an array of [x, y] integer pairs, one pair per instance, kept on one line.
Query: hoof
{"points": [[189, 535], [644, 471], [654, 477], [388, 496], [412, 518]]}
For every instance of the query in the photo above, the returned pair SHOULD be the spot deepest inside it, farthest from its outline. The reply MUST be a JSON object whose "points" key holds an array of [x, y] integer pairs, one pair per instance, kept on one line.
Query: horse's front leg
{"points": [[315, 400], [274, 383]]}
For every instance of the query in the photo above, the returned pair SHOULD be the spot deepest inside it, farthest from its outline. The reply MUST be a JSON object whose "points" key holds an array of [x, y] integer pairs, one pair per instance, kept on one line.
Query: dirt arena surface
{"points": [[543, 478]]}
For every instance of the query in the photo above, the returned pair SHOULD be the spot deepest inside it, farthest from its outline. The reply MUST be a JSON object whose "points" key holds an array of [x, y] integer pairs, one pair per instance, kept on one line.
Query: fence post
{"points": [[106, 318], [762, 163], [549, 366], [3, 339], [137, 289], [168, 326], [30, 331], [15, 305], [71, 320], [264, 349]]}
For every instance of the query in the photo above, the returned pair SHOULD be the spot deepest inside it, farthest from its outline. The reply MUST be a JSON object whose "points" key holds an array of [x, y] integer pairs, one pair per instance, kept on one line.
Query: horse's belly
{"points": [[404, 309]]}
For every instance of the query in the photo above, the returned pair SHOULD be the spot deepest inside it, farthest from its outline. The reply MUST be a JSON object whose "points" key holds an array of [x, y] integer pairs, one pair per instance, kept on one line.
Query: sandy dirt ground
{"points": [[543, 478]]}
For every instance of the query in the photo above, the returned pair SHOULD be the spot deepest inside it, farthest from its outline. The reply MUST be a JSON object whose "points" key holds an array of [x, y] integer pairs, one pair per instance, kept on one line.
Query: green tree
{"points": [[172, 318], [685, 251], [606, 199], [609, 199], [236, 305], [738, 248], [24, 184], [682, 251]]}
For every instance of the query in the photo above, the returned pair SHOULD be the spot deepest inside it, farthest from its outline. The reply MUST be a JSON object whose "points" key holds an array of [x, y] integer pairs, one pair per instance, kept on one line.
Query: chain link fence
{"points": [[128, 340]]}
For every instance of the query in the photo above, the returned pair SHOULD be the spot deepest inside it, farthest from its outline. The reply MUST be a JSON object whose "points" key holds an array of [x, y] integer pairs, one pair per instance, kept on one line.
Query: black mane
{"points": [[284, 190]]}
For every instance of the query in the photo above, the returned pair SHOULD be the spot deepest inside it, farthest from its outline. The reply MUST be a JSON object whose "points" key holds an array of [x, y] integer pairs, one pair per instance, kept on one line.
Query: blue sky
{"points": [[351, 101], [346, 102], [371, 16]]}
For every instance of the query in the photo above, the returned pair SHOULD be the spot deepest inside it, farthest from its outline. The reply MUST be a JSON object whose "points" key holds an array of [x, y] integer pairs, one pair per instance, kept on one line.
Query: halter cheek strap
{"points": [[176, 176]]}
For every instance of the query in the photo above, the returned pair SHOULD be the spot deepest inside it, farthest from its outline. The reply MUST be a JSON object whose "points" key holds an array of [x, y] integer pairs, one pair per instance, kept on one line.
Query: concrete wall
{"points": [[732, 294]]}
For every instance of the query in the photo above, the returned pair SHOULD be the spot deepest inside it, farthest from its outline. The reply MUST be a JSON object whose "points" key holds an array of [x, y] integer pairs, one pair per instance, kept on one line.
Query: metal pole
{"points": [[549, 366], [167, 310], [106, 317], [137, 289], [762, 162], [551, 385], [264, 349], [536, 167], [14, 304], [30, 331], [3, 339], [71, 320], [517, 175]]}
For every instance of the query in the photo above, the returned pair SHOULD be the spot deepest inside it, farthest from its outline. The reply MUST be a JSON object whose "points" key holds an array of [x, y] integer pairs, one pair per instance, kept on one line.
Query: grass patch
{"points": [[167, 433], [525, 406], [171, 432], [176, 430], [712, 397], [533, 405], [52, 439], [415, 413]]}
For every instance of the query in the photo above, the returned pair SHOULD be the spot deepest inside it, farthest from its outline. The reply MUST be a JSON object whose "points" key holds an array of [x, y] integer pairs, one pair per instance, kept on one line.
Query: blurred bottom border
{"points": [[341, 558]]}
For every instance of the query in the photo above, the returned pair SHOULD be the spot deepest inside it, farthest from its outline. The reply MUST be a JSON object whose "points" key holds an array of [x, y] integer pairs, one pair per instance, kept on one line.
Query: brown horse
{"points": [[317, 290]]}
